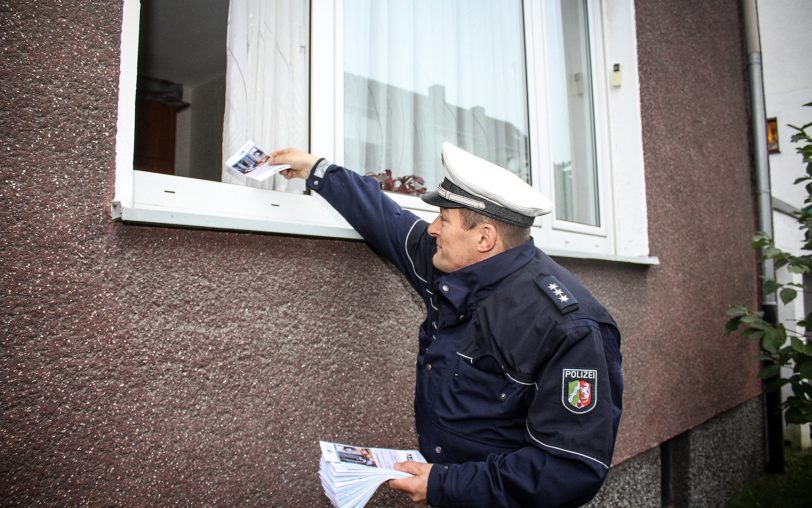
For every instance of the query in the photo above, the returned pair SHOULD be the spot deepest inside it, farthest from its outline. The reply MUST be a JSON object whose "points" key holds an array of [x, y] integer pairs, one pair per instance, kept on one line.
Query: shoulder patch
{"points": [[579, 392], [559, 294]]}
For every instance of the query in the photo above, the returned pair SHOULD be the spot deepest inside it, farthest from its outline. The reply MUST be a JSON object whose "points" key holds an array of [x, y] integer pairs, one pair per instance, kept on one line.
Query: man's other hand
{"points": [[300, 162], [416, 486]]}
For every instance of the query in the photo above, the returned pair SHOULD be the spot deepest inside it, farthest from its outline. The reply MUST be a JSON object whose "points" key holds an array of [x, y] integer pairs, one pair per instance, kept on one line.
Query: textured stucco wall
{"points": [[153, 366], [681, 370]]}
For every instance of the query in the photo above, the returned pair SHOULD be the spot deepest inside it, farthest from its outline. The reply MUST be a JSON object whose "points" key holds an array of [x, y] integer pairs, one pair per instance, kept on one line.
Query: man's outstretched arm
{"points": [[397, 234]]}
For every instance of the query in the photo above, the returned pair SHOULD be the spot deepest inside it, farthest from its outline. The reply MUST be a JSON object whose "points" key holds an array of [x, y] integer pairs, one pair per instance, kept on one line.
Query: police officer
{"points": [[518, 393]]}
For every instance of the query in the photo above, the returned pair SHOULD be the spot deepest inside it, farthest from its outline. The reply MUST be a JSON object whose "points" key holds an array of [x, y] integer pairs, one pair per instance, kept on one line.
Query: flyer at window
{"points": [[351, 474], [255, 164]]}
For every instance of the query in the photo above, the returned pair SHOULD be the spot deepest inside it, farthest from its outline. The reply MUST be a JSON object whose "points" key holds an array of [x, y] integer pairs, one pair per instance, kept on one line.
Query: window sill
{"points": [[597, 256], [184, 202], [188, 202]]}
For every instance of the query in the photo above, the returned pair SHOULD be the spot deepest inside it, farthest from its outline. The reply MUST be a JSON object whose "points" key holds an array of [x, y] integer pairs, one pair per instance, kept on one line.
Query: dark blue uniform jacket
{"points": [[518, 394]]}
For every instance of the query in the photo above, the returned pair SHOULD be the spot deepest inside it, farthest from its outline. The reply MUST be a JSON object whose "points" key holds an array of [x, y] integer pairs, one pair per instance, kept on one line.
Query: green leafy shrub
{"points": [[780, 346]]}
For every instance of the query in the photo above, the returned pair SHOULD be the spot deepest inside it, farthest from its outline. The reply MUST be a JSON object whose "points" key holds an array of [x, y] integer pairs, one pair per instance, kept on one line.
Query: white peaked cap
{"points": [[474, 183]]}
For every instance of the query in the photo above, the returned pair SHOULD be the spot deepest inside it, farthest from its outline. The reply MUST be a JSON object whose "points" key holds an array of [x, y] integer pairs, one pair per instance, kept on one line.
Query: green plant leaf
{"points": [[775, 384], [805, 368], [761, 236], [763, 242], [797, 344], [787, 295], [798, 268], [732, 325], [773, 340], [769, 371], [737, 311], [771, 252], [753, 334], [798, 390], [798, 411], [755, 321], [794, 415], [770, 286]]}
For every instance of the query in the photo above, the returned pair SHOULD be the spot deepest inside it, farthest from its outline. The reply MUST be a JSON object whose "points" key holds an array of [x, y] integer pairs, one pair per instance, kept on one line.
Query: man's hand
{"points": [[415, 487], [300, 162]]}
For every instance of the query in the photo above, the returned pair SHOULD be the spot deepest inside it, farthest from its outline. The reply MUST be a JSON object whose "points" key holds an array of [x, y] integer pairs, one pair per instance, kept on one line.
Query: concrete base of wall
{"points": [[703, 467], [634, 483], [725, 454]]}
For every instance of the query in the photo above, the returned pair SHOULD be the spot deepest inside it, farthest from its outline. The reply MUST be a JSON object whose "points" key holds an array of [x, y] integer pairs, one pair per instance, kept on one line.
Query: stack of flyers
{"points": [[255, 164], [350, 475]]}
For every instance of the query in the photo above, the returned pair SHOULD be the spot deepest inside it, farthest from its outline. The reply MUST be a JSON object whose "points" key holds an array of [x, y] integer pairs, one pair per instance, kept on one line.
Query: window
{"points": [[377, 86]]}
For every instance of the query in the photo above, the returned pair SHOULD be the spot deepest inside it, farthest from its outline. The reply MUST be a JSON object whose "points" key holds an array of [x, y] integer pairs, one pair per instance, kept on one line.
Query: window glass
{"points": [[180, 91], [213, 75], [572, 138], [420, 72]]}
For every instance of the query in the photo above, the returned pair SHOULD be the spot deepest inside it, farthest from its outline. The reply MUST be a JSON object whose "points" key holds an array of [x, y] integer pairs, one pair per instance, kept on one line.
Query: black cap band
{"points": [[450, 195]]}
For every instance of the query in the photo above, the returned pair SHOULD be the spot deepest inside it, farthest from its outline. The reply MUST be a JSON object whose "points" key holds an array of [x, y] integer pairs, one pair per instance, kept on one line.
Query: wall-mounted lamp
{"points": [[772, 136]]}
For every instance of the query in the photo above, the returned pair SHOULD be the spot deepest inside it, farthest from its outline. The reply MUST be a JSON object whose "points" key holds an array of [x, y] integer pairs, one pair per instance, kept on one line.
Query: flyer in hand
{"points": [[255, 164], [350, 474]]}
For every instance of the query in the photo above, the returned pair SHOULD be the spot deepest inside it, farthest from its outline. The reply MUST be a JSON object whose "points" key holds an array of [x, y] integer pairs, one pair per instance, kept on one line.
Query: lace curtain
{"points": [[267, 82]]}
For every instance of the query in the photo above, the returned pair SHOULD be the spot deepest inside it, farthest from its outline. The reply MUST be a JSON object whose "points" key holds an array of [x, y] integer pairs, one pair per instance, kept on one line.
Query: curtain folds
{"points": [[419, 72], [267, 82]]}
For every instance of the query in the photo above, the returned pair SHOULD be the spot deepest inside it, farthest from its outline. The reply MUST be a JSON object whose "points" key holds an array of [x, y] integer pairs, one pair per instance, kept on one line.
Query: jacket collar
{"points": [[469, 285]]}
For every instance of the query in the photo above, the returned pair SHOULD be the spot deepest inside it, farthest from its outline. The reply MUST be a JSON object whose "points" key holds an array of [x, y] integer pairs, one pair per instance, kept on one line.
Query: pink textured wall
{"points": [[154, 366], [701, 216]]}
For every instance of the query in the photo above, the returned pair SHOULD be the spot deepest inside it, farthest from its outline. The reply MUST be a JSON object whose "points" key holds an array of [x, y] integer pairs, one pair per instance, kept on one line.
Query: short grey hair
{"points": [[511, 235]]}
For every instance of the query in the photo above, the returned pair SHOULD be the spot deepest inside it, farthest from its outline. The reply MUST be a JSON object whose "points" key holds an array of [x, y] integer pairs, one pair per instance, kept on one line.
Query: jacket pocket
{"points": [[480, 400]]}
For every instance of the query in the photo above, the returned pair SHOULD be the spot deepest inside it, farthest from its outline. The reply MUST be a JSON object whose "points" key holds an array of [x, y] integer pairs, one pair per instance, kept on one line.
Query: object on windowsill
{"points": [[252, 162], [409, 184], [350, 475]]}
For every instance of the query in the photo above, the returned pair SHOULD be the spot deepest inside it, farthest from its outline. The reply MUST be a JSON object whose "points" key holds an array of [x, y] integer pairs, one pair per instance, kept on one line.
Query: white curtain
{"points": [[267, 82], [420, 72]]}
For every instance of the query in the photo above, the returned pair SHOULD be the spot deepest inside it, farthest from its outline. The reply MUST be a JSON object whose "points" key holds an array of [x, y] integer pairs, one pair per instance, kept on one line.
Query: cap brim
{"points": [[434, 198]]}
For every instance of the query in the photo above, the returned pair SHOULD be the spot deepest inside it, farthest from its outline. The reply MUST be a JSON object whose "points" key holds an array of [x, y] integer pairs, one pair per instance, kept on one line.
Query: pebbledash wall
{"points": [[150, 365]]}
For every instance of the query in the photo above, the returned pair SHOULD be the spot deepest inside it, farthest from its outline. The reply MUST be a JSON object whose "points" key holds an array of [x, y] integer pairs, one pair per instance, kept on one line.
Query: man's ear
{"points": [[487, 238]]}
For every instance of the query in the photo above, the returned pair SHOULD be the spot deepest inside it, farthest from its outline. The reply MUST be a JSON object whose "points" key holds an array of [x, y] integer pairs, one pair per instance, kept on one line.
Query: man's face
{"points": [[456, 247]]}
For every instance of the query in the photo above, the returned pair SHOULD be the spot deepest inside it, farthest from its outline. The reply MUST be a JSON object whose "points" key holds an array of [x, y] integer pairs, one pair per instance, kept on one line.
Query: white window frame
{"points": [[622, 236], [144, 197], [556, 233]]}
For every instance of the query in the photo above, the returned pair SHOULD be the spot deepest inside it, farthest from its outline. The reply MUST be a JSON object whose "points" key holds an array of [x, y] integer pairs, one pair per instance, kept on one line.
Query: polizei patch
{"points": [[578, 389]]}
